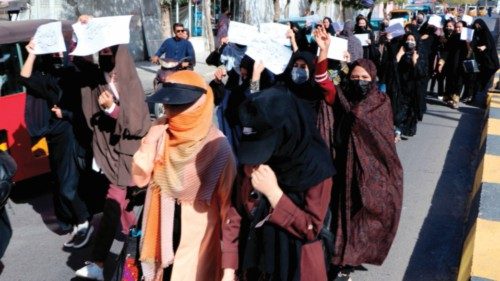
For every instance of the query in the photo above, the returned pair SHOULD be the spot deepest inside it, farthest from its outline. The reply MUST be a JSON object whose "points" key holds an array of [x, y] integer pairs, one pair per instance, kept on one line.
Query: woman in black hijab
{"points": [[411, 69], [486, 53], [454, 54], [285, 192]]}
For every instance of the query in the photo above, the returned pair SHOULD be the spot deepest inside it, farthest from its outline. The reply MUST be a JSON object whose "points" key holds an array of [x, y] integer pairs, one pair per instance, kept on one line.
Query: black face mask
{"points": [[360, 87], [420, 21], [106, 63]]}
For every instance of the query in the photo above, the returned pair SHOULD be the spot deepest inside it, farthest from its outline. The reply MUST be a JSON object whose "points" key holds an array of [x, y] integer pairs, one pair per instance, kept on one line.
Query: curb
{"points": [[481, 251]]}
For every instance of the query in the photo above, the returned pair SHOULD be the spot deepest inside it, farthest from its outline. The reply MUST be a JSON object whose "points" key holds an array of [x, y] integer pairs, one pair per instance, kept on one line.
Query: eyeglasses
{"points": [[179, 30]]}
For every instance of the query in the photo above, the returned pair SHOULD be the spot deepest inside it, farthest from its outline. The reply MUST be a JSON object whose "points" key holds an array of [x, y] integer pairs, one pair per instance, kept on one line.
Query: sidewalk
{"points": [[147, 72]]}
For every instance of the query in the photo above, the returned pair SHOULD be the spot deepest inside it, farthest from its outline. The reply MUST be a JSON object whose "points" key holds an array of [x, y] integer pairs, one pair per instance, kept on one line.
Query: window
{"points": [[10, 66]]}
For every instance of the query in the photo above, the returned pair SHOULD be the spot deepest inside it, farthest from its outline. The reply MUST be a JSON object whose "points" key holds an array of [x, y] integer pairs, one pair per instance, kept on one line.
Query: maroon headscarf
{"points": [[370, 180]]}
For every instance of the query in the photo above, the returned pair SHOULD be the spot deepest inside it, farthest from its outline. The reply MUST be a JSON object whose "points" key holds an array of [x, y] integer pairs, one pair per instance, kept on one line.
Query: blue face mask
{"points": [[300, 75]]}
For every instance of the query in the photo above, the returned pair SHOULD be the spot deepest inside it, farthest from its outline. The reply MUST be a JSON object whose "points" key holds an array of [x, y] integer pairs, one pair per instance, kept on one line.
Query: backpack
{"points": [[7, 170]]}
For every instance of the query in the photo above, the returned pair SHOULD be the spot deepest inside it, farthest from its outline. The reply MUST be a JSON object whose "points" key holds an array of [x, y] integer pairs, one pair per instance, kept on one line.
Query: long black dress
{"points": [[487, 59], [408, 108]]}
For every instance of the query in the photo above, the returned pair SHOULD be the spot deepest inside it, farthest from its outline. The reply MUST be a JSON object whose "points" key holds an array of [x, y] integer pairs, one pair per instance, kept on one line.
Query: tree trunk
{"points": [[166, 25], [277, 10], [207, 25]]}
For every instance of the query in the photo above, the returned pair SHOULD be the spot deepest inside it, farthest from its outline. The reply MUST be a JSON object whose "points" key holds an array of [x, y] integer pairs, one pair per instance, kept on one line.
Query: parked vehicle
{"points": [[426, 9], [31, 154], [406, 14]]}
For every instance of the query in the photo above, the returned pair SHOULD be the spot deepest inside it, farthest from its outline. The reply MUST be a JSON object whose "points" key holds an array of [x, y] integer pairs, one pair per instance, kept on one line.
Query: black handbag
{"points": [[471, 66]]}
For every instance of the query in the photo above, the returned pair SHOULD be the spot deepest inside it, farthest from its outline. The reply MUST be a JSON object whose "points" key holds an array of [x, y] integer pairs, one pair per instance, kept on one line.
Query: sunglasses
{"points": [[179, 30]]}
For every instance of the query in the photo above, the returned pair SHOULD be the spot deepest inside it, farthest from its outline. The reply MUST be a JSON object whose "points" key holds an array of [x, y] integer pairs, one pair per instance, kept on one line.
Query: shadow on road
{"points": [[436, 255]]}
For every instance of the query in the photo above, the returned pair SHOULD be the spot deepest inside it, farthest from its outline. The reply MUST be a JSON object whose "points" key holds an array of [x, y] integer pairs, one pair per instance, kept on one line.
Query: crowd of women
{"points": [[300, 180]]}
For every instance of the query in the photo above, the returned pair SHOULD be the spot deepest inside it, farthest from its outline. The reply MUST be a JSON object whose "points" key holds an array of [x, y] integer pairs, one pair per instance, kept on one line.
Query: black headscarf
{"points": [[483, 37], [300, 161]]}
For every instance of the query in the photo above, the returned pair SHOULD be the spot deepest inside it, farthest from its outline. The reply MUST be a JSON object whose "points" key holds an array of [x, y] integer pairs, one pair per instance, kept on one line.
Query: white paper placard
{"points": [[395, 21], [274, 55], [363, 38], [275, 31], [100, 33], [241, 33], [338, 48], [395, 30], [467, 34], [436, 21], [468, 19], [49, 39]]}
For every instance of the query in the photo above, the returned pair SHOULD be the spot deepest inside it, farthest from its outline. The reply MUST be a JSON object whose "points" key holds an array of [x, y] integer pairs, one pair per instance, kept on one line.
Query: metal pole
{"points": [[189, 17]]}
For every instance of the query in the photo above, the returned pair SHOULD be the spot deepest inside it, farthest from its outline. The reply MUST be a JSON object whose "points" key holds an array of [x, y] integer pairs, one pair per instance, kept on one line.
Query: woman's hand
{"points": [[57, 111], [219, 74], [322, 38], [414, 57], [400, 54], [105, 99], [258, 68], [481, 48], [30, 47], [264, 181]]}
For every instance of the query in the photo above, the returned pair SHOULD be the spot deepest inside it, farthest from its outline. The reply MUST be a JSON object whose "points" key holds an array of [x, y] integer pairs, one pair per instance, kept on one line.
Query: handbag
{"points": [[471, 66], [128, 265]]}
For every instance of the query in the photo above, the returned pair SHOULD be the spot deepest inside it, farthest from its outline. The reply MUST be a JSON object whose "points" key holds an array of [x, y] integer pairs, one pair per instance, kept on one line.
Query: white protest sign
{"points": [[49, 39], [395, 30], [468, 19], [100, 33], [275, 31], [436, 21], [467, 34], [338, 48], [274, 55], [363, 38], [395, 21], [241, 33]]}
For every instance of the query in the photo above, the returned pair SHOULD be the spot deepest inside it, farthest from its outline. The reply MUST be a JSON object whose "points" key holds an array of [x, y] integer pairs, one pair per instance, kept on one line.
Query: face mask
{"points": [[360, 87], [410, 45], [106, 63], [299, 75], [420, 21]]}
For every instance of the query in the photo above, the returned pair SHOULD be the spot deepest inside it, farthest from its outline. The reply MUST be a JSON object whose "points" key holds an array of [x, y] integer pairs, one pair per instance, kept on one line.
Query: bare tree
{"points": [[207, 25], [166, 25]]}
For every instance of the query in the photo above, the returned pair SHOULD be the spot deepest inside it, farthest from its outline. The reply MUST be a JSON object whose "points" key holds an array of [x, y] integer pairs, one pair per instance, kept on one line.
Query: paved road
{"points": [[438, 174]]}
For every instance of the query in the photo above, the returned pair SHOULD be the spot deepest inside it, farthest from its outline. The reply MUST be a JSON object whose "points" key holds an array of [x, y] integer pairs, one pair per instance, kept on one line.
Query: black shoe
{"points": [[81, 237]]}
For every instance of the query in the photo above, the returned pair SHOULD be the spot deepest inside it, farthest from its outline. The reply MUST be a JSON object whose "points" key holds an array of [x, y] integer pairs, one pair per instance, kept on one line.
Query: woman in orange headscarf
{"points": [[184, 159]]}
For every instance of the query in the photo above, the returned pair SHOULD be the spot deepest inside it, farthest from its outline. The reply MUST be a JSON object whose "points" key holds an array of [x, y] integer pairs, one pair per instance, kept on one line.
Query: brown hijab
{"points": [[369, 185], [115, 140]]}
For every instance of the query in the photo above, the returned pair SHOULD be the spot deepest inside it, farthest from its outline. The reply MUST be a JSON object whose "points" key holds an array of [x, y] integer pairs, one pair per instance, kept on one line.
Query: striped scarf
{"points": [[191, 154]]}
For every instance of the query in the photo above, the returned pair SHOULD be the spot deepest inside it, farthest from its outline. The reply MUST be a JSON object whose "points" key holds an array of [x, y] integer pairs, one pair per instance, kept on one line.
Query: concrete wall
{"points": [[71, 9]]}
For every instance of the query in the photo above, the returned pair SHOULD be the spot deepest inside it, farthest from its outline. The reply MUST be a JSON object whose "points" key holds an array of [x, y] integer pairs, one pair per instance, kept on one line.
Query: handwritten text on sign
{"points": [[100, 33]]}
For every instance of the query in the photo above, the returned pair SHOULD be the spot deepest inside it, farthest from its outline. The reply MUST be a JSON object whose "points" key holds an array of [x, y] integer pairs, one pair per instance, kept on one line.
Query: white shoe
{"points": [[90, 271]]}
